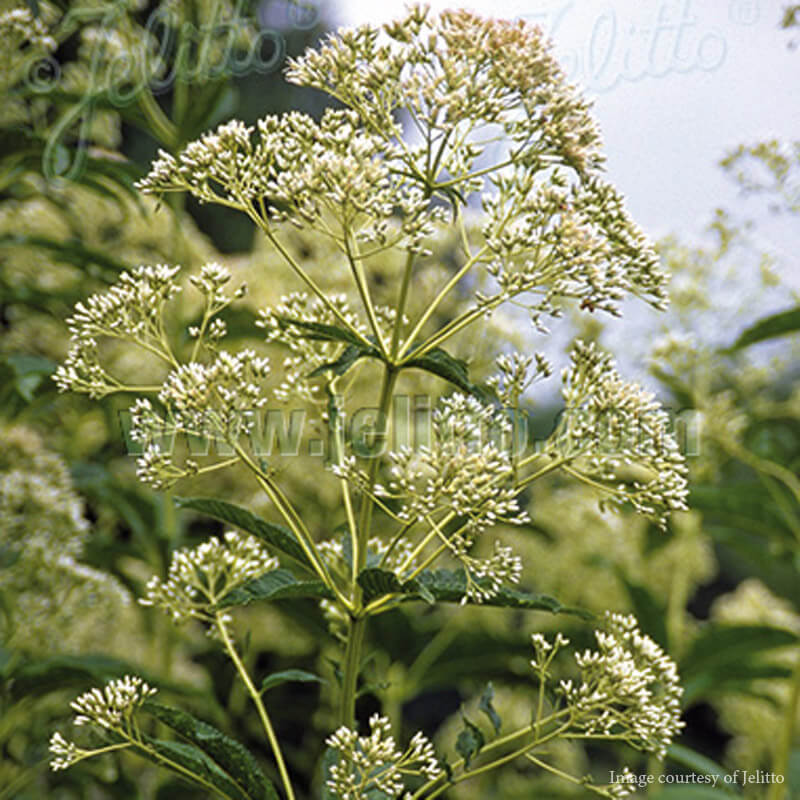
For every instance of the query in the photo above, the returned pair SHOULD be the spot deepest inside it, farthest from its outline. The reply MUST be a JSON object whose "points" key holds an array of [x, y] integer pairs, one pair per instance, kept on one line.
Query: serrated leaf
{"points": [[319, 331], [351, 354], [183, 758], [235, 760], [279, 584], [282, 539], [485, 705], [469, 742], [780, 324], [289, 676], [450, 586], [454, 370], [375, 582]]}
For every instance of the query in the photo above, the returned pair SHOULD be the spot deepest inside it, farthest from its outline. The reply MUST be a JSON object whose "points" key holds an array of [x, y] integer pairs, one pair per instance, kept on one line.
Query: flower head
{"points": [[112, 706], [629, 688], [374, 762], [199, 578], [619, 437]]}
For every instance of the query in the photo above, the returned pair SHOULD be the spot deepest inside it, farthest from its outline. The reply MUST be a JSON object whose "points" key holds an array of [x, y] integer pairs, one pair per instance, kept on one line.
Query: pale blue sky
{"points": [[675, 83]]}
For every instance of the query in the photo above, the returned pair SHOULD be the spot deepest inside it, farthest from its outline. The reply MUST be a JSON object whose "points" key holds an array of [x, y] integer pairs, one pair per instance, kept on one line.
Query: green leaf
{"points": [[648, 610], [277, 536], [329, 759], [730, 652], [351, 354], [70, 251], [228, 755], [319, 331], [59, 672], [30, 372], [740, 678], [38, 677], [469, 741], [745, 504], [183, 758], [449, 586], [781, 324], [696, 762], [453, 370], [376, 582], [290, 675], [279, 584], [486, 706]]}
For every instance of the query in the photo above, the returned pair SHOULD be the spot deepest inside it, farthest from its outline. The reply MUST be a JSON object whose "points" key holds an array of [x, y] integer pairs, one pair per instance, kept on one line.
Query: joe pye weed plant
{"points": [[439, 115]]}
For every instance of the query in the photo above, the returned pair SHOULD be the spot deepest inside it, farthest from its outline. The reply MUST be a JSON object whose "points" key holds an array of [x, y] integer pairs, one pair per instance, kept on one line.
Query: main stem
{"points": [[355, 634]]}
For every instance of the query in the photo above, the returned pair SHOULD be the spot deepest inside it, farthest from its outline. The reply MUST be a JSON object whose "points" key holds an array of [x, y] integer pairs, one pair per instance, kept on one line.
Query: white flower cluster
{"points": [[65, 753], [557, 241], [619, 435], [501, 567], [19, 26], [629, 688], [290, 323], [377, 553], [374, 762], [200, 577], [516, 376], [460, 78], [333, 176], [112, 708], [131, 309], [211, 282], [215, 401], [462, 470]]}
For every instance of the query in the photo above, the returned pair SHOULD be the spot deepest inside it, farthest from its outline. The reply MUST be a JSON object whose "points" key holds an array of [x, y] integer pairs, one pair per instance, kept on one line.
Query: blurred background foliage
{"points": [[79, 535]]}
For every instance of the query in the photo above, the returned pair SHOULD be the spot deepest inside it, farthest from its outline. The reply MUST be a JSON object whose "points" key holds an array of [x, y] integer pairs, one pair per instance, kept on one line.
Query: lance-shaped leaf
{"points": [[439, 362], [780, 324], [731, 657], [279, 584], [226, 755], [282, 539], [195, 765], [450, 586], [320, 331], [349, 356], [290, 676]]}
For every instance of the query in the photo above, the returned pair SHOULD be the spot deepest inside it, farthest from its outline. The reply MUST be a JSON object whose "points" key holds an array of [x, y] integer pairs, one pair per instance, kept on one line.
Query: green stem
{"points": [[434, 304], [355, 635], [160, 124], [293, 521], [350, 671], [401, 305], [262, 711], [566, 776]]}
